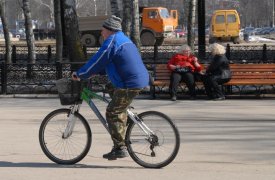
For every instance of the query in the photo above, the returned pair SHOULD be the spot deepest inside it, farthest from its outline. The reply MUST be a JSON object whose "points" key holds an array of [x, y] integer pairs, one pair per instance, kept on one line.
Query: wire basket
{"points": [[69, 91]]}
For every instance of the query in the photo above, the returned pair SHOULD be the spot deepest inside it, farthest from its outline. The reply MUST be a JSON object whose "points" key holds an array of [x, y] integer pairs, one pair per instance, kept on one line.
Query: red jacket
{"points": [[184, 61]]}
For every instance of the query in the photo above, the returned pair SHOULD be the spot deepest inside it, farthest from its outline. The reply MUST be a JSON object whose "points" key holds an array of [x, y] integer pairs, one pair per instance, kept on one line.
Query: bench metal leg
{"points": [[153, 91]]}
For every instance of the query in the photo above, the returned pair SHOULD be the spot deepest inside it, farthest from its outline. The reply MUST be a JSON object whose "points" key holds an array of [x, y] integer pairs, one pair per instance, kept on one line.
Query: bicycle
{"points": [[152, 139]]}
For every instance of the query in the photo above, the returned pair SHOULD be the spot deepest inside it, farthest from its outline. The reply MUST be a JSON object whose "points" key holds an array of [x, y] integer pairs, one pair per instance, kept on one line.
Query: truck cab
{"points": [[157, 23]]}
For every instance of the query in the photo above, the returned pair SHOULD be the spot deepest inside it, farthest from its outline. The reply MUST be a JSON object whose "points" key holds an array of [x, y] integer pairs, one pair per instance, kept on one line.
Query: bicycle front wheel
{"points": [[56, 147], [157, 149]]}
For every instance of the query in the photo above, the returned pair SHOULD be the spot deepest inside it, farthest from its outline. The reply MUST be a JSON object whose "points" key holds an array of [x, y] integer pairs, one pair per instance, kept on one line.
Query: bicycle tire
{"points": [[139, 147], [64, 151]]}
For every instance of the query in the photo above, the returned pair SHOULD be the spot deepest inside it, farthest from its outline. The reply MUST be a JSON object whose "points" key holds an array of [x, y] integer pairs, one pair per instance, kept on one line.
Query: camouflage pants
{"points": [[116, 112]]}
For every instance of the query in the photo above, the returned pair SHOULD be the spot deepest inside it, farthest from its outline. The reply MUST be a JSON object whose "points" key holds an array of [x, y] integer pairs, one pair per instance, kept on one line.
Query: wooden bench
{"points": [[257, 75]]}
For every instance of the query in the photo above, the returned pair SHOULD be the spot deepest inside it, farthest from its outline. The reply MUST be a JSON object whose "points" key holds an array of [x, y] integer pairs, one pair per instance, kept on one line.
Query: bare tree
{"points": [[130, 22], [72, 38], [6, 31], [127, 17], [191, 23], [116, 8], [255, 13], [29, 31], [135, 25], [90, 7], [82, 3], [58, 30], [48, 5]]}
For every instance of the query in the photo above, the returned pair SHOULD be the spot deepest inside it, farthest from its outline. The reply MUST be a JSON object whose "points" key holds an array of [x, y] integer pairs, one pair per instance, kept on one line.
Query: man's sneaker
{"points": [[120, 152]]}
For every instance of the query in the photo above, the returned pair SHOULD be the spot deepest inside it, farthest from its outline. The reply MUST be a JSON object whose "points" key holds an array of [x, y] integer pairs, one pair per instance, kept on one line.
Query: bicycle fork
{"points": [[71, 122]]}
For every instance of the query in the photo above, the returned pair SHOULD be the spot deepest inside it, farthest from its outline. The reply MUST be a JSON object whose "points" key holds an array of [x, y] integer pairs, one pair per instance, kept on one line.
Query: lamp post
{"points": [[201, 28]]}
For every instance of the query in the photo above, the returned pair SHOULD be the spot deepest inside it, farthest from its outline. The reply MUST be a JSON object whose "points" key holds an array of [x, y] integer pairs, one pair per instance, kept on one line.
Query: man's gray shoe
{"points": [[120, 152]]}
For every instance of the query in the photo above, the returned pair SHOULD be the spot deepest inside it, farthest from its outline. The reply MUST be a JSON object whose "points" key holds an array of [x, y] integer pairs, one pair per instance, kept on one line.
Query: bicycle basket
{"points": [[68, 91]]}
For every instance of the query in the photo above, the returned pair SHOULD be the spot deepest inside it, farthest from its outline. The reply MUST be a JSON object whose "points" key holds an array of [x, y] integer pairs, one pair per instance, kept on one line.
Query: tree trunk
{"points": [[116, 8], [191, 23], [127, 18], [6, 31], [58, 30], [135, 25], [72, 37], [29, 31]]}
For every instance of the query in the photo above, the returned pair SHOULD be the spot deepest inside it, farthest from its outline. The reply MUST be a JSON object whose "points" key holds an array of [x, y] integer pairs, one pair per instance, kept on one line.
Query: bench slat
{"points": [[242, 74]]}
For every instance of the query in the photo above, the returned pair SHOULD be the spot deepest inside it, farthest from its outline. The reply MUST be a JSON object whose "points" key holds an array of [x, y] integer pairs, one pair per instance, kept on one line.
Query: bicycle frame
{"points": [[88, 97], [65, 135]]}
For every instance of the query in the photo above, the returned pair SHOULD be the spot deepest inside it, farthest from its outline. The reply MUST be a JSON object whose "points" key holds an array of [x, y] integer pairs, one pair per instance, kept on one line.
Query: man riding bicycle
{"points": [[121, 60]]}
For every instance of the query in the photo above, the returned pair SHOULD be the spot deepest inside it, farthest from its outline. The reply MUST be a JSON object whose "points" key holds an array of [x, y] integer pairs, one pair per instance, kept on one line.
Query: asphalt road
{"points": [[220, 140]]}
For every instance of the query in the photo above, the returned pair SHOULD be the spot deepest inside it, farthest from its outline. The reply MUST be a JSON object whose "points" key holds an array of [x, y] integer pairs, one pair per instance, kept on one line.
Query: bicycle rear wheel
{"points": [[62, 150], [158, 149]]}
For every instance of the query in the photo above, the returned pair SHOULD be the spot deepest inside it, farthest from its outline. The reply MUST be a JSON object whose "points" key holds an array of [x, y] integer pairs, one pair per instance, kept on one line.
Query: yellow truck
{"points": [[156, 23], [225, 26]]}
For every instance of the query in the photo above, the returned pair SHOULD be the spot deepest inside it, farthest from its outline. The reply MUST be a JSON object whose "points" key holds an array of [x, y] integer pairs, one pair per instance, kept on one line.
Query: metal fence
{"points": [[39, 78], [152, 54], [21, 77]]}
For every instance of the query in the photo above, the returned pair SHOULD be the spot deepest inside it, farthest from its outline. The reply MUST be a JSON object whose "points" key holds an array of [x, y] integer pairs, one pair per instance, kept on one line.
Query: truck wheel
{"points": [[88, 40], [147, 39], [236, 40]]}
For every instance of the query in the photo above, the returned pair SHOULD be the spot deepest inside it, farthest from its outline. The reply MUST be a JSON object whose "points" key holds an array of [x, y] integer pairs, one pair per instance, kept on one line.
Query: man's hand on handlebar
{"points": [[75, 77]]}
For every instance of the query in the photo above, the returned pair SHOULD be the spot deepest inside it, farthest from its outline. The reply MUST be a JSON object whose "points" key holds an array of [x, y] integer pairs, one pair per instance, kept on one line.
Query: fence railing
{"points": [[38, 78], [152, 54], [21, 77]]}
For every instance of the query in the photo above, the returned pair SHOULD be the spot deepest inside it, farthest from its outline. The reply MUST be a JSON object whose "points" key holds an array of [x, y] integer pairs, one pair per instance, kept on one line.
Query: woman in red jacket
{"points": [[184, 66]]}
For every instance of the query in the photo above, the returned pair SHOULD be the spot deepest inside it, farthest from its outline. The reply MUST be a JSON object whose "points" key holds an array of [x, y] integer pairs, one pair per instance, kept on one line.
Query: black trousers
{"points": [[187, 77], [213, 87]]}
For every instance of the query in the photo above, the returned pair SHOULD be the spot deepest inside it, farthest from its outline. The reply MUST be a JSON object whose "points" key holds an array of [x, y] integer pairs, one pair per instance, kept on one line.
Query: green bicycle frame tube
{"points": [[87, 96]]}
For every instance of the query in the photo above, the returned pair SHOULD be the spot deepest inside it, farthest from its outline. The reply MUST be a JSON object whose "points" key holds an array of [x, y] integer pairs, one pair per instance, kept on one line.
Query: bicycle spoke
{"points": [[159, 149], [62, 150]]}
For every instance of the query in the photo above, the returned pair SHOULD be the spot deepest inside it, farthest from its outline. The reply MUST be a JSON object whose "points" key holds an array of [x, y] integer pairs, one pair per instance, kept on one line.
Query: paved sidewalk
{"points": [[220, 140]]}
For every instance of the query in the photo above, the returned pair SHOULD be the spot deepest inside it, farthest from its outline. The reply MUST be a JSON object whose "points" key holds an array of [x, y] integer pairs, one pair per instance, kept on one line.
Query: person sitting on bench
{"points": [[217, 73], [184, 66]]}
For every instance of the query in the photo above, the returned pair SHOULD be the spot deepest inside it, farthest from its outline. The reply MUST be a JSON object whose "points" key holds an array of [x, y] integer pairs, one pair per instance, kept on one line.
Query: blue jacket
{"points": [[122, 62]]}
